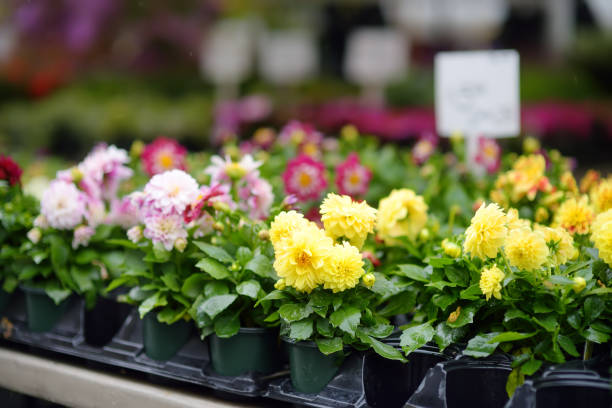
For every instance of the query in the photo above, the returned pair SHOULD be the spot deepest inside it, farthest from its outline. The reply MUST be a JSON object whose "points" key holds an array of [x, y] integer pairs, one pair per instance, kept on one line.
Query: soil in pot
{"points": [[310, 369], [43, 313], [103, 321], [251, 350], [162, 341], [389, 383]]}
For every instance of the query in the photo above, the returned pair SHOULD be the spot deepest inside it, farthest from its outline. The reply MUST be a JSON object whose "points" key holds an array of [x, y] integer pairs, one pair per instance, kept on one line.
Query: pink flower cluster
{"points": [[489, 154], [301, 134], [305, 178], [353, 178], [163, 155]]}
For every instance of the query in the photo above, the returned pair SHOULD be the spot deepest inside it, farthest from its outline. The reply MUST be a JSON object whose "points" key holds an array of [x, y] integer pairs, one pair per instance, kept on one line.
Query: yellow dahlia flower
{"points": [[525, 249], [589, 181], [527, 176], [302, 258], [602, 196], [486, 233], [343, 217], [568, 182], [602, 236], [575, 215], [401, 214], [284, 225], [560, 244], [344, 268], [513, 221], [490, 282]]}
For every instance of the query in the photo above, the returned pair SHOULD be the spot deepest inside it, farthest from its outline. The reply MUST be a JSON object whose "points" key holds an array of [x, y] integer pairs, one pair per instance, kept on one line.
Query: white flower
{"points": [[170, 192], [41, 222], [63, 205], [82, 235], [165, 229], [134, 234], [34, 235], [223, 170]]}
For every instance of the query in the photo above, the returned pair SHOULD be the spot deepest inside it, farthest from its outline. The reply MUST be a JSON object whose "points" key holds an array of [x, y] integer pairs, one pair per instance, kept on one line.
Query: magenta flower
{"points": [[162, 155], [305, 178], [205, 198], [424, 148], [299, 133], [489, 154], [353, 178]]}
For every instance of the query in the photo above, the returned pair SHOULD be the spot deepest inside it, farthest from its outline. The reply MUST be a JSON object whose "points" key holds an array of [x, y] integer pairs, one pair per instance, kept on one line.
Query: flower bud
{"points": [[76, 174], [217, 226], [369, 279], [234, 267], [424, 234], [541, 215], [452, 318], [180, 244], [137, 149], [280, 284], [235, 171], [41, 222], [579, 284], [134, 234], [531, 145], [349, 133], [264, 235], [451, 249], [220, 206], [34, 235]]}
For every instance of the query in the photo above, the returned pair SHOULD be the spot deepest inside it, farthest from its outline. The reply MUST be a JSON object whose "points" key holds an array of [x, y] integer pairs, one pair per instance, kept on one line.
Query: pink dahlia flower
{"points": [[169, 193], [225, 170], [305, 178], [162, 155], [353, 178], [124, 213], [63, 205], [256, 198], [103, 169], [82, 235], [489, 154], [424, 148], [299, 133], [164, 229]]}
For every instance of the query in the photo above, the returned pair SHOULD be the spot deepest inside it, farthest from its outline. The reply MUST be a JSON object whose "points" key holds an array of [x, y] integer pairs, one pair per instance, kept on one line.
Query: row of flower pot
{"points": [[430, 379]]}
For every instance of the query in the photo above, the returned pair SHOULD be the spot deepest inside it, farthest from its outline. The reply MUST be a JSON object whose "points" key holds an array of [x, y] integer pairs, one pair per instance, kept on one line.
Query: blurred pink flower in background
{"points": [[305, 178], [489, 154], [352, 178], [163, 154]]}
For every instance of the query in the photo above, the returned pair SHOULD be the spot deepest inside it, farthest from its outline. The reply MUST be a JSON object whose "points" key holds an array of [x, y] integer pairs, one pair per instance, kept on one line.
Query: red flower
{"points": [[193, 212], [305, 178], [162, 155], [10, 170], [353, 179]]}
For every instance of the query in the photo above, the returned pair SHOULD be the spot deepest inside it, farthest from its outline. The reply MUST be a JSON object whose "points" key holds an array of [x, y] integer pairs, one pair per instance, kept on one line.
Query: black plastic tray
{"points": [[191, 365]]}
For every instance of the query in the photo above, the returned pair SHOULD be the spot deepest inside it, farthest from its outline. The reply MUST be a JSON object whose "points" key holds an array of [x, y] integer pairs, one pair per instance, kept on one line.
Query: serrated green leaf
{"points": [[593, 307], [261, 266], [416, 337], [480, 346], [171, 281], [193, 285], [215, 252], [217, 304], [515, 314], [214, 268], [329, 346], [596, 336], [150, 303], [531, 366], [249, 288], [445, 335], [471, 293], [346, 318], [548, 322], [292, 312], [466, 316], [568, 345], [511, 336], [414, 272], [227, 325], [301, 330]]}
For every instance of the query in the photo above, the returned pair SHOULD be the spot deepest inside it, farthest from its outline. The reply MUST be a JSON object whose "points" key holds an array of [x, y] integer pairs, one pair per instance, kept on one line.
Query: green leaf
{"points": [[171, 281], [515, 314], [10, 283], [82, 277], [114, 260], [440, 285], [150, 303], [593, 306], [292, 312], [244, 255], [480, 346], [382, 286], [575, 320], [215, 252], [440, 262], [561, 280], [568, 345], [511, 336], [272, 317], [445, 335], [249, 288], [28, 272], [274, 295], [227, 325], [261, 266], [217, 304], [531, 366], [414, 272], [466, 316], [596, 336], [346, 318], [56, 293], [401, 303], [471, 293], [301, 330], [381, 330], [416, 337], [193, 285], [85, 256], [515, 379], [215, 288], [443, 300], [213, 268], [59, 252], [548, 322], [170, 315], [329, 346], [382, 349], [324, 328]]}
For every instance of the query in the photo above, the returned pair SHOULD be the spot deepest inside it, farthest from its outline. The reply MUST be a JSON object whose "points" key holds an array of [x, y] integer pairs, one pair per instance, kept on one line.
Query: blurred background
{"points": [[74, 72]]}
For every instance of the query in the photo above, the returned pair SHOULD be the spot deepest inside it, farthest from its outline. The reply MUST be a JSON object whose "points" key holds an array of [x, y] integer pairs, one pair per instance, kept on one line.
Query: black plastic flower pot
{"points": [[310, 369], [162, 341], [43, 314], [389, 383], [251, 350], [467, 382], [103, 321], [5, 298], [566, 386]]}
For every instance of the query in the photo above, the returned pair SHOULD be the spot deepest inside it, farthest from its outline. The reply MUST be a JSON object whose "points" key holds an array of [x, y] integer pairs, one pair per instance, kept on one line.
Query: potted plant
{"points": [[324, 299], [542, 297], [16, 216], [67, 246]]}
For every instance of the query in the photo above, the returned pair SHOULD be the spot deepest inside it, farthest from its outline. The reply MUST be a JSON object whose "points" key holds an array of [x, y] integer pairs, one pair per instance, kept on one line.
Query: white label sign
{"points": [[287, 56], [477, 93]]}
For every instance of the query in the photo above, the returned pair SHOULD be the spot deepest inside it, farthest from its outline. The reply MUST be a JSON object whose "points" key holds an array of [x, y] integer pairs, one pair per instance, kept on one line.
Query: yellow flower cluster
{"points": [[526, 249], [575, 215], [602, 196], [401, 214], [602, 236], [487, 232], [343, 217], [306, 256], [490, 282], [560, 244]]}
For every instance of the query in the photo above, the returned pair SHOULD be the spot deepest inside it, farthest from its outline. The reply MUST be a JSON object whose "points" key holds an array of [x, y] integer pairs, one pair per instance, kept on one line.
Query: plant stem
{"points": [[588, 350]]}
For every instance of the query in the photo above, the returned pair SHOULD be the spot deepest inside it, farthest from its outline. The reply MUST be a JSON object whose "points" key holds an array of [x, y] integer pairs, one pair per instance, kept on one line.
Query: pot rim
{"points": [[256, 330], [312, 344]]}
